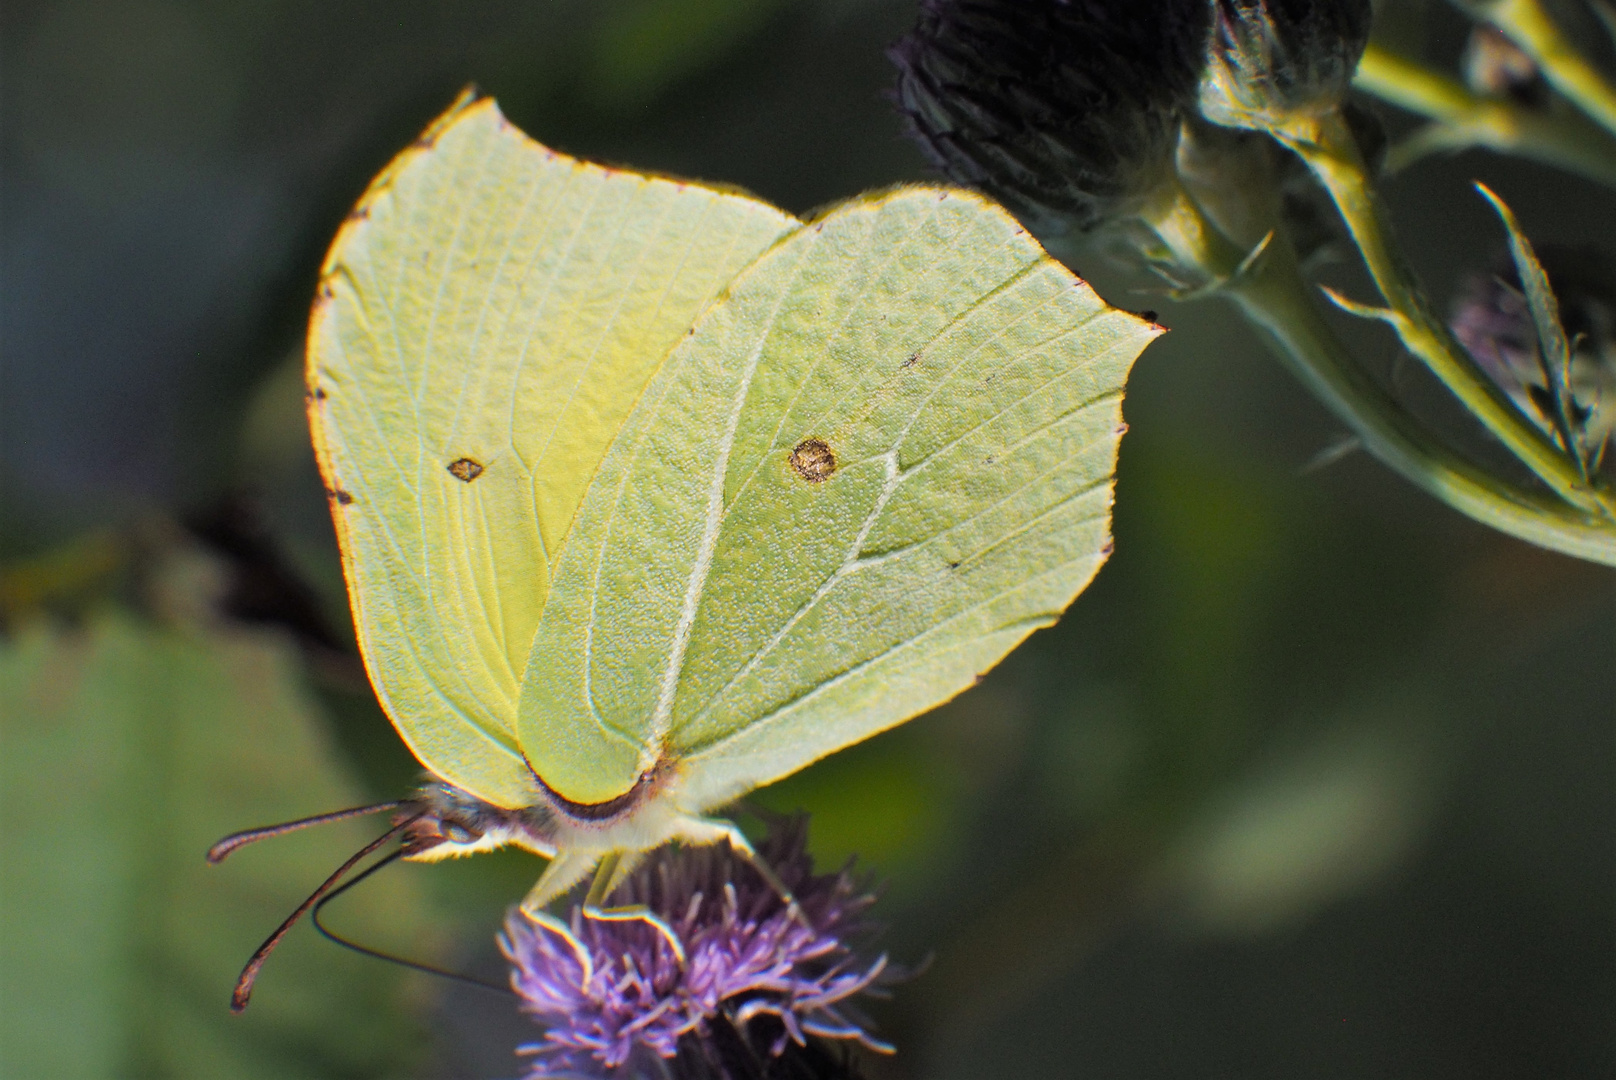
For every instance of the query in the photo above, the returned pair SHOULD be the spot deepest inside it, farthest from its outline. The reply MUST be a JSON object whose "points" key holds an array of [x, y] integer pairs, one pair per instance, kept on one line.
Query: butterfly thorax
{"points": [[446, 821]]}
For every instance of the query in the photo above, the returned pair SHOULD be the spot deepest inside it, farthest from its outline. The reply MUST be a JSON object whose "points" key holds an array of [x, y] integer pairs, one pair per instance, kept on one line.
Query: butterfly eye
{"points": [[458, 833]]}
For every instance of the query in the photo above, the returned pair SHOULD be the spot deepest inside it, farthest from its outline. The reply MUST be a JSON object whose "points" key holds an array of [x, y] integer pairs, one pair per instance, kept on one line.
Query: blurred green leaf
{"points": [[885, 801], [129, 748], [63, 578], [1321, 821]]}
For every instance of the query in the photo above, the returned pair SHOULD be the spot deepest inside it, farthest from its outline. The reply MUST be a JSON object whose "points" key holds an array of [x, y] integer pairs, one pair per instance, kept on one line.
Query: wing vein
{"points": [[710, 529], [557, 266], [849, 563], [854, 670]]}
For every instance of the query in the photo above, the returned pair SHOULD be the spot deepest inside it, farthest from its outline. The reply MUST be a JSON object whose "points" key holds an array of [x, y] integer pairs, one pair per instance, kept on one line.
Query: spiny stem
{"points": [[1326, 145], [1462, 117], [1277, 301], [1270, 291], [1190, 239]]}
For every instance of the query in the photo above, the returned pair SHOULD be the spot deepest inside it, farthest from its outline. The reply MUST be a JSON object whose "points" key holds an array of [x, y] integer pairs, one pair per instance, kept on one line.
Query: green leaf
{"points": [[129, 748]]}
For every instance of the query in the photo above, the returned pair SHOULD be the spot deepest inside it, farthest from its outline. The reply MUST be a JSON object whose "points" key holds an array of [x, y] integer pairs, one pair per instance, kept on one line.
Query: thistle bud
{"points": [[1067, 111], [1493, 322], [1270, 60]]}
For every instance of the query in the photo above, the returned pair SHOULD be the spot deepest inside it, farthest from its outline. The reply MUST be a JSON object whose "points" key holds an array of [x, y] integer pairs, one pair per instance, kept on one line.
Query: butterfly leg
{"points": [[708, 831], [611, 871], [565, 870]]}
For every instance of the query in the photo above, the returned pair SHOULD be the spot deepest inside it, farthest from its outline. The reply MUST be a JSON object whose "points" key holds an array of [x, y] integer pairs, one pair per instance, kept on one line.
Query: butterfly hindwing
{"points": [[878, 462]]}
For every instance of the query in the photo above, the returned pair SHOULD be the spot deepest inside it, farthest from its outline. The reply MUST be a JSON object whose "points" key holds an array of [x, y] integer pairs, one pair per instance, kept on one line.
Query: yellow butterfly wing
{"points": [[486, 320], [878, 463]]}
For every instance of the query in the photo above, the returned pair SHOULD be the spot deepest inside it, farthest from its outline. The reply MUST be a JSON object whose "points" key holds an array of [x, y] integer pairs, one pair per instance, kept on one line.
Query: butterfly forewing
{"points": [[487, 319]]}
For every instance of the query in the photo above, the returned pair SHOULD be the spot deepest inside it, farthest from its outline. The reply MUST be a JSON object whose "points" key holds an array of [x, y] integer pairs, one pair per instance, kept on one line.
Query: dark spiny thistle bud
{"points": [[1067, 112], [1271, 60], [1493, 321]]}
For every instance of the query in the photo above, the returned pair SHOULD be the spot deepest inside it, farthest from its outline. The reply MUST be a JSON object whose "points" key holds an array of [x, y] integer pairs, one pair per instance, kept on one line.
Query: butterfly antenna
{"points": [[249, 974], [217, 853], [314, 917]]}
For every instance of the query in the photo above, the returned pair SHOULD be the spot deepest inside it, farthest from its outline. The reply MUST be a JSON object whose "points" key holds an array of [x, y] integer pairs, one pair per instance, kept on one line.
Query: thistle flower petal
{"points": [[616, 1002]]}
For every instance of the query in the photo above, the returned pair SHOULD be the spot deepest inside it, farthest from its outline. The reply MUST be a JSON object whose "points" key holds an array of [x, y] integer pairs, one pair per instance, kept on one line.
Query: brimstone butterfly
{"points": [[650, 493]]}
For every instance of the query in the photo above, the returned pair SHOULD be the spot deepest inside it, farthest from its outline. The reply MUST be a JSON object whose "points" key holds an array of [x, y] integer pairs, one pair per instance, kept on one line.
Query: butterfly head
{"points": [[442, 821]]}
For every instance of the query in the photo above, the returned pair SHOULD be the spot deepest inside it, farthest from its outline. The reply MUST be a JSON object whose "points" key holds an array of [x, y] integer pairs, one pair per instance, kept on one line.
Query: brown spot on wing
{"points": [[813, 460], [465, 469]]}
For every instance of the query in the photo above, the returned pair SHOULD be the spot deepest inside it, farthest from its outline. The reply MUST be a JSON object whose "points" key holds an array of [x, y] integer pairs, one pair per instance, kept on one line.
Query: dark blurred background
{"points": [[1316, 780]]}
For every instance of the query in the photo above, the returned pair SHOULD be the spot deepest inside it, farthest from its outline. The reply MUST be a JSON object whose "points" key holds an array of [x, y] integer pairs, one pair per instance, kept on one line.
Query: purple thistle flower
{"points": [[1493, 322], [617, 1003]]}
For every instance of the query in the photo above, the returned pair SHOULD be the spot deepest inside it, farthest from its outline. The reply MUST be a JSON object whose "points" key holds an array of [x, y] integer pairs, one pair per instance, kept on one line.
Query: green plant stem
{"points": [[1274, 297], [1269, 290], [1564, 139], [1529, 25], [1189, 239], [1326, 144]]}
